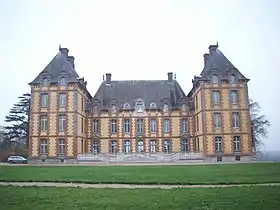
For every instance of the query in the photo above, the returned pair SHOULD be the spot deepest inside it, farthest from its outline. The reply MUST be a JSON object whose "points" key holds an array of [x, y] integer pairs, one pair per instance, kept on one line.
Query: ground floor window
{"points": [[153, 146], [114, 147], [95, 147], [166, 147], [140, 146], [61, 146], [218, 144], [127, 146], [185, 145], [43, 147]]}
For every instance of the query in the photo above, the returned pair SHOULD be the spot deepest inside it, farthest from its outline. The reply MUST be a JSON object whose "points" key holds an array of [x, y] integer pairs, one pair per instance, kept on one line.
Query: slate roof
{"points": [[59, 66], [149, 91]]}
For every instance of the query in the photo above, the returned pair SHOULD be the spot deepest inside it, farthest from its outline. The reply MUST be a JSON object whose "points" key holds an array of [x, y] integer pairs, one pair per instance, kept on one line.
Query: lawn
{"points": [[187, 174], [34, 198]]}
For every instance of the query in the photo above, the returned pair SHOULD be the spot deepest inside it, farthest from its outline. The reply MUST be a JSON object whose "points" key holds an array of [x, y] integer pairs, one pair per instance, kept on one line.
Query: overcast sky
{"points": [[142, 40]]}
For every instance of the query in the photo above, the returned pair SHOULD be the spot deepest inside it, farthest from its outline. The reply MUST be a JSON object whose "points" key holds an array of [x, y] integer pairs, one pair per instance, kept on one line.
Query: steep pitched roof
{"points": [[58, 67], [148, 90]]}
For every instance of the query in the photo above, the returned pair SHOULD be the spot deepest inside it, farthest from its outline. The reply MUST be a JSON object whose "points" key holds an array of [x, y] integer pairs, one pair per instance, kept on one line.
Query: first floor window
{"points": [[62, 123], [61, 146], [127, 146], [113, 126], [153, 148], [153, 125], [126, 125], [114, 147], [44, 123], [139, 125], [236, 143], [44, 100], [218, 144], [184, 125], [185, 145], [95, 126], [62, 99], [95, 147], [217, 120], [166, 146], [140, 146], [233, 97], [166, 125], [235, 119], [43, 147]]}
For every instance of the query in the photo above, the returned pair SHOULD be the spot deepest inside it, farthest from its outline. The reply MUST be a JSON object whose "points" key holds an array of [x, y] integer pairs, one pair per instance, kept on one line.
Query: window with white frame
{"points": [[139, 125], [44, 81], [43, 147], [235, 120], [184, 125], [216, 97], [95, 147], [166, 125], [114, 147], [153, 146], [232, 78], [165, 108], [44, 123], [184, 107], [140, 107], [185, 146], [153, 125], [166, 146], [140, 146], [215, 79], [62, 81], [233, 96], [217, 120], [236, 143], [218, 144], [62, 99], [127, 146], [126, 106], [62, 123], [127, 125], [113, 126], [153, 105], [95, 126], [61, 146], [44, 100]]}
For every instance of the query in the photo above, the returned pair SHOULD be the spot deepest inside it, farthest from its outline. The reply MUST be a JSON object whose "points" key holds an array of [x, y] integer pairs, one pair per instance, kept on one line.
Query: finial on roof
{"points": [[175, 76], [103, 77], [217, 44], [59, 46]]}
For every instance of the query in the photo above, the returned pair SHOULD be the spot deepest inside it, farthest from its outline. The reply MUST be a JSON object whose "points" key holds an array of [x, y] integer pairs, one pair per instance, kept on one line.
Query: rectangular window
{"points": [[43, 147], [197, 123], [139, 125], [82, 125], [185, 146], [62, 123], [140, 146], [153, 125], [236, 143], [61, 146], [196, 103], [127, 146], [197, 144], [114, 147], [166, 125], [216, 97], [114, 126], [44, 123], [166, 148], [234, 97], [184, 125], [95, 147], [95, 126], [153, 146], [235, 120], [44, 100], [218, 144], [217, 120], [62, 99], [82, 104], [127, 126]]}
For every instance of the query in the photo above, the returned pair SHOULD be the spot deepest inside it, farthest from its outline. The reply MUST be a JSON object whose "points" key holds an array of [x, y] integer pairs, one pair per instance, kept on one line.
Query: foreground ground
{"points": [[33, 198], [184, 174]]}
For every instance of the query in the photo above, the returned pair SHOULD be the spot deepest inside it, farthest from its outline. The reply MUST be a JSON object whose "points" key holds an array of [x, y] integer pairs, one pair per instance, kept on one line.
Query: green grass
{"points": [[34, 198], [187, 174]]}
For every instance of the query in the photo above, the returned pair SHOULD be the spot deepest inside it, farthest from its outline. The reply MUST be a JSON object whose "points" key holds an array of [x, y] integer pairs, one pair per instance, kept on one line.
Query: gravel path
{"points": [[125, 186]]}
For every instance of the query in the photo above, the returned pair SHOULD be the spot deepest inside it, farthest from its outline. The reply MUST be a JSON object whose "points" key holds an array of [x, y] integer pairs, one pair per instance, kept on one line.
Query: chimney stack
{"points": [[170, 76], [108, 78], [213, 48], [64, 51], [206, 57], [71, 59]]}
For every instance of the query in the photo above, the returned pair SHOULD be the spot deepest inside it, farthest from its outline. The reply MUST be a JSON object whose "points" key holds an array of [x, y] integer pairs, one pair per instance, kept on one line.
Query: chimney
{"points": [[213, 48], [71, 59], [108, 78], [206, 57], [64, 51], [170, 76]]}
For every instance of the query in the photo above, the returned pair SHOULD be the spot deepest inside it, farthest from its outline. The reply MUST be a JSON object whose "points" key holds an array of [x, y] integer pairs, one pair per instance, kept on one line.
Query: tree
{"points": [[17, 130], [259, 124]]}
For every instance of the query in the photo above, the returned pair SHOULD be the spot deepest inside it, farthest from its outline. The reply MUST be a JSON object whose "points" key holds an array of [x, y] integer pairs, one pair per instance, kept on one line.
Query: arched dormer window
{"points": [[232, 78], [126, 105], [62, 81], [44, 81], [113, 109], [153, 105], [215, 79], [184, 107], [165, 108]]}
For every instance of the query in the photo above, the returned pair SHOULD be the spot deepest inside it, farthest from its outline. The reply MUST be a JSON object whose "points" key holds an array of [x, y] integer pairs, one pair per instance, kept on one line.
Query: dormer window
{"points": [[140, 107], [126, 106], [232, 78], [153, 105], [165, 108], [113, 109], [215, 79], [62, 81], [44, 81], [184, 107], [95, 109]]}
